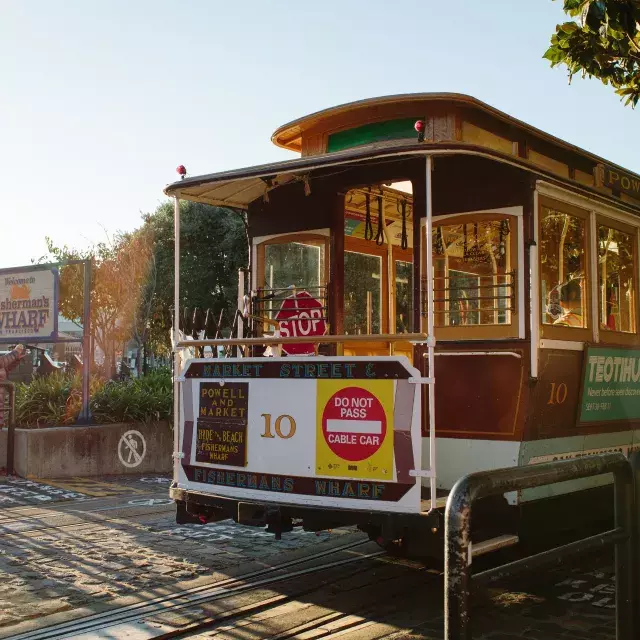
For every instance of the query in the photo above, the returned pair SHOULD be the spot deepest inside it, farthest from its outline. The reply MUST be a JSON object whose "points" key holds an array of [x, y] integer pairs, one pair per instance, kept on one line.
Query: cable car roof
{"points": [[240, 187], [383, 127]]}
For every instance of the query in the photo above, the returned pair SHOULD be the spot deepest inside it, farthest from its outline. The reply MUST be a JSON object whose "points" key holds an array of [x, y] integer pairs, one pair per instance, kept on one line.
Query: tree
{"points": [[604, 42], [213, 246], [121, 283], [132, 281]]}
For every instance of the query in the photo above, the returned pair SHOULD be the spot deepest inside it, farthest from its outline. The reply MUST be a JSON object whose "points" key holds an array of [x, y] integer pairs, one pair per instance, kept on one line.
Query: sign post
{"points": [[85, 413]]}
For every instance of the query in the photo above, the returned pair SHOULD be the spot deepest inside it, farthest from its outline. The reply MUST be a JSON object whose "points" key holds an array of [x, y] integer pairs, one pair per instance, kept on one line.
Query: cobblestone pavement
{"points": [[76, 547], [66, 550]]}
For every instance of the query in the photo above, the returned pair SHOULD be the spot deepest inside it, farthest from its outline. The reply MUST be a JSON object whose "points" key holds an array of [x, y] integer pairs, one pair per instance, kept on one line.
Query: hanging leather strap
{"points": [[404, 241], [380, 234], [368, 227]]}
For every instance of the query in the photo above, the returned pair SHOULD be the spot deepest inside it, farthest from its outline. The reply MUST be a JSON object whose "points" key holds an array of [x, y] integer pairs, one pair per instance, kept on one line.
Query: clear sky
{"points": [[100, 101]]}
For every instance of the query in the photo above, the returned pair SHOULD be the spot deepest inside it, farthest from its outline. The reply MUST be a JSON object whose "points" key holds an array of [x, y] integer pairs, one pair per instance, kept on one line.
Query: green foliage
{"points": [[122, 283], [604, 43], [132, 285], [145, 399], [213, 246], [56, 400]]}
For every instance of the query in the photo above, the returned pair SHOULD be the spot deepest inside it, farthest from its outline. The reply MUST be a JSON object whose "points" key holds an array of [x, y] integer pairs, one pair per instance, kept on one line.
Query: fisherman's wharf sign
{"points": [[28, 304]]}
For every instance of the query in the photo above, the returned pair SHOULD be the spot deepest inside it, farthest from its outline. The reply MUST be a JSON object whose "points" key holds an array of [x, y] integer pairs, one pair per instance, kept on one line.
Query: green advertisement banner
{"points": [[611, 385]]}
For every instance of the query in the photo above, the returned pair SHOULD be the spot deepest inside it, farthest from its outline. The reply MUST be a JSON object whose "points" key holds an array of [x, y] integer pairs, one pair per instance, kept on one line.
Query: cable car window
{"points": [[616, 280], [293, 264], [563, 269], [404, 294], [362, 293], [474, 278]]}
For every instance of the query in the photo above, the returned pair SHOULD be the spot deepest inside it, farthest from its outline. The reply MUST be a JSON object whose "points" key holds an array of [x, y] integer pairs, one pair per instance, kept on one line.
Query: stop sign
{"points": [[301, 315]]}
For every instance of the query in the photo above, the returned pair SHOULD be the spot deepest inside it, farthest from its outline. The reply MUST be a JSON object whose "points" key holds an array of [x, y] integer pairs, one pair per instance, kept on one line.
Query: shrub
{"points": [[56, 400], [137, 400]]}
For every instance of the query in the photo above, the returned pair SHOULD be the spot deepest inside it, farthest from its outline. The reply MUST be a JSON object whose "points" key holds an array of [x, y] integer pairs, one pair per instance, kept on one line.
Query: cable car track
{"points": [[185, 600], [83, 525], [70, 506], [7, 523], [356, 608]]}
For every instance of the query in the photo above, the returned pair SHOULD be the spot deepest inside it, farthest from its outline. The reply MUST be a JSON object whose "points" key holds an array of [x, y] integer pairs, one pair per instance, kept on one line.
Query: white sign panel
{"points": [[333, 432], [28, 304]]}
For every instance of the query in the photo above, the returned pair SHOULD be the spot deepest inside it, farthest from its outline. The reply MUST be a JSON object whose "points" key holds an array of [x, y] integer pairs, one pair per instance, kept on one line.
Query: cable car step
{"points": [[492, 544]]}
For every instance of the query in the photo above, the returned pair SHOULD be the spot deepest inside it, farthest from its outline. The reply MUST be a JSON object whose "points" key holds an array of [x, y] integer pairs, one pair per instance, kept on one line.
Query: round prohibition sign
{"points": [[354, 424], [132, 448]]}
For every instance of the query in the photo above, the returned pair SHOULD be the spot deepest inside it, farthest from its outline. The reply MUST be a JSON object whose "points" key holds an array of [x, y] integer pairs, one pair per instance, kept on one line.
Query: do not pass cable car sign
{"points": [[301, 315], [354, 424], [355, 428]]}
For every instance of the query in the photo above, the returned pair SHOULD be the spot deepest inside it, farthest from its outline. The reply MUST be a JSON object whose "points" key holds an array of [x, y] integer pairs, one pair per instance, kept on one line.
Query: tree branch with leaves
{"points": [[602, 41]]}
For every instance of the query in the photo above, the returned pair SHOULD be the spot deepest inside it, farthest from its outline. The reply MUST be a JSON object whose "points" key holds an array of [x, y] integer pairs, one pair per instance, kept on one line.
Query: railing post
{"points": [[624, 552], [624, 535], [456, 561], [11, 425], [634, 459]]}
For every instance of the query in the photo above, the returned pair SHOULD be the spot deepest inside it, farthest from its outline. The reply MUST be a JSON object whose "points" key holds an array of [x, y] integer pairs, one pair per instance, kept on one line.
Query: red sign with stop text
{"points": [[301, 315]]}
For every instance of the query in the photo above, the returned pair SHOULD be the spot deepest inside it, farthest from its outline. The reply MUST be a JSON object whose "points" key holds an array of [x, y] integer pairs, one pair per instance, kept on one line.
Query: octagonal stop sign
{"points": [[301, 315]]}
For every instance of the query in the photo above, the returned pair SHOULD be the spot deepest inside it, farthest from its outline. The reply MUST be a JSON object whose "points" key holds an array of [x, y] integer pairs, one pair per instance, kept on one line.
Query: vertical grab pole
{"points": [[534, 290], [241, 276], [176, 326], [430, 332]]}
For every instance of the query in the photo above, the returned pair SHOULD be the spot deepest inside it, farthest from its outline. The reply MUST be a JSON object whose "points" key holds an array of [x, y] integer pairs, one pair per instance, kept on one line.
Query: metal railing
{"points": [[9, 421], [485, 301], [266, 302], [458, 578], [327, 339]]}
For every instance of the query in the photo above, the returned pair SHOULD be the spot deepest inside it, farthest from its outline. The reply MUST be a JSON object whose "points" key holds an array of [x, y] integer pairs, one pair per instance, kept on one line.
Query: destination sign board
{"points": [[331, 431], [619, 180], [221, 435]]}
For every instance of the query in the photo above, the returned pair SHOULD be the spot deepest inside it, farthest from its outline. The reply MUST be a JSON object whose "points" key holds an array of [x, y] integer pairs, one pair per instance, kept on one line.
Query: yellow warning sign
{"points": [[354, 429]]}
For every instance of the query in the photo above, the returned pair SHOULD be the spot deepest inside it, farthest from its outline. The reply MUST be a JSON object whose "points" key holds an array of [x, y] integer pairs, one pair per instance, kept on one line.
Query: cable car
{"points": [[435, 288]]}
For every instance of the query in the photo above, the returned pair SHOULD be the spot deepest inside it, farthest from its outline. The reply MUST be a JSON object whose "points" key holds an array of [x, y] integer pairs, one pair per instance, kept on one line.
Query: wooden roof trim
{"points": [[254, 176], [289, 135]]}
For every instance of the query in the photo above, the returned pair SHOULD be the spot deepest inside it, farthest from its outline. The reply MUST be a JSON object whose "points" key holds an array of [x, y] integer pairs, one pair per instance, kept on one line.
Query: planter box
{"points": [[95, 450]]}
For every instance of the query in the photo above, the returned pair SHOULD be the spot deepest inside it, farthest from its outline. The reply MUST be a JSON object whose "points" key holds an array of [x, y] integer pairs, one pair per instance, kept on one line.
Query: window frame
{"points": [[552, 332], [369, 247], [400, 255], [301, 238], [515, 329], [606, 336]]}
